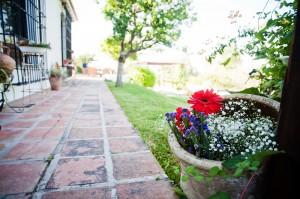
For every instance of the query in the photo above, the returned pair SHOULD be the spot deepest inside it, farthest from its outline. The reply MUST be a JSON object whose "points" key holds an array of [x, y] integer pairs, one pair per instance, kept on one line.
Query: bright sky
{"points": [[91, 28]]}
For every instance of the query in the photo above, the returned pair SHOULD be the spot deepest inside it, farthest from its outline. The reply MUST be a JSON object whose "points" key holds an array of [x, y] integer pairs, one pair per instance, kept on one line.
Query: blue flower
{"points": [[190, 130], [195, 121], [184, 115], [170, 116]]}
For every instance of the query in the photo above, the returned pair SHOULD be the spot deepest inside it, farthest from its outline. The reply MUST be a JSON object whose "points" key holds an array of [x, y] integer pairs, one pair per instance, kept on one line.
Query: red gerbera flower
{"points": [[206, 101]]}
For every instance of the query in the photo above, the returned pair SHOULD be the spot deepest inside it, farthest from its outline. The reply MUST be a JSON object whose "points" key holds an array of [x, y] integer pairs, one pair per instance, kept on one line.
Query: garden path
{"points": [[76, 143]]}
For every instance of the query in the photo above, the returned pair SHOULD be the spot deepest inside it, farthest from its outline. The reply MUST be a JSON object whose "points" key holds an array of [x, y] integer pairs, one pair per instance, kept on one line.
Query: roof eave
{"points": [[70, 7]]}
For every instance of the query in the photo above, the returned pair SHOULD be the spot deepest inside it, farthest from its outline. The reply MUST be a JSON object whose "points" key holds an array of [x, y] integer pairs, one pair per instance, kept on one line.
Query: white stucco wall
{"points": [[53, 31]]}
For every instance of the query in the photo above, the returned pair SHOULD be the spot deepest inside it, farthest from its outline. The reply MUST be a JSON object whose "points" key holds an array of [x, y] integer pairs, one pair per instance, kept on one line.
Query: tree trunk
{"points": [[121, 62]]}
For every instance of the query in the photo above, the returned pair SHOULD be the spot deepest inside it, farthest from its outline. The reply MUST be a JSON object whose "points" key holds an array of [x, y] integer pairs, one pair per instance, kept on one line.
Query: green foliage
{"points": [[79, 70], [86, 58], [140, 24], [144, 77], [40, 45], [112, 47], [220, 195], [251, 90], [3, 76], [270, 42], [237, 166], [56, 72], [145, 109]]}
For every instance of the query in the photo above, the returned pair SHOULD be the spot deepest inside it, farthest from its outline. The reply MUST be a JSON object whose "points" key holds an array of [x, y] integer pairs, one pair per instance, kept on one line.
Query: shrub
{"points": [[144, 77], [79, 70]]}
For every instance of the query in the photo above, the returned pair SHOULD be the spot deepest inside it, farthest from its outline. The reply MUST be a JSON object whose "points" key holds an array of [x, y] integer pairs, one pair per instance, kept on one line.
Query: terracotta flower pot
{"points": [[233, 186], [7, 64], [55, 83]]}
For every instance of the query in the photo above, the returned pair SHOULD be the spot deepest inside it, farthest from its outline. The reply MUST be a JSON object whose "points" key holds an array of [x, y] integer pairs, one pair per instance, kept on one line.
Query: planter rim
{"points": [[206, 164], [183, 155], [261, 99]]}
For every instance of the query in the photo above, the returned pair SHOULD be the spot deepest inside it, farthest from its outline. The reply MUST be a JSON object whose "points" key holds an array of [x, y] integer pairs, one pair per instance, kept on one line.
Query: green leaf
{"points": [[238, 172], [199, 178], [255, 163], [251, 90], [244, 164], [213, 171], [259, 36], [223, 173], [260, 156], [232, 162], [179, 192], [226, 62], [184, 178], [190, 170], [220, 195]]}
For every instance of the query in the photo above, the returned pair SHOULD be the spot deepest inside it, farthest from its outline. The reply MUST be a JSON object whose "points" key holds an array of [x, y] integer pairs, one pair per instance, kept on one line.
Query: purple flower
{"points": [[170, 116], [190, 130], [194, 120], [184, 115]]}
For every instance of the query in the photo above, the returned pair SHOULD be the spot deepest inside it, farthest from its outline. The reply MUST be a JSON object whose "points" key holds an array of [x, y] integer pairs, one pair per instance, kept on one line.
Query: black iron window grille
{"points": [[24, 20], [68, 35]]}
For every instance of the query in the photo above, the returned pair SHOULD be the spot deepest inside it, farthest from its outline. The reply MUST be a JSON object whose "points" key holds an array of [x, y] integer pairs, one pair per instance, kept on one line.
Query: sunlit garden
{"points": [[191, 99]]}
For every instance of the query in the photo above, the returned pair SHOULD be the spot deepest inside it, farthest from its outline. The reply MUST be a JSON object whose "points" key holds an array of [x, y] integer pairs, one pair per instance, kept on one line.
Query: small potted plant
{"points": [[216, 130], [55, 77]]}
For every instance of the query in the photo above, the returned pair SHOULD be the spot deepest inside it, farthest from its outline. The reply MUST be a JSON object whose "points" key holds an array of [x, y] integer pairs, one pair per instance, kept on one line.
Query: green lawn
{"points": [[145, 110]]}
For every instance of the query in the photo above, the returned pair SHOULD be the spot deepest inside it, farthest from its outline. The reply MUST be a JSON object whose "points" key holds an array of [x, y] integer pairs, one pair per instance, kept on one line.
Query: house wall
{"points": [[53, 32], [54, 55]]}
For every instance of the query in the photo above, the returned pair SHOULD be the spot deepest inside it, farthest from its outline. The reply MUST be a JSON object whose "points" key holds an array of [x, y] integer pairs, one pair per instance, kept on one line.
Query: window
{"points": [[23, 19]]}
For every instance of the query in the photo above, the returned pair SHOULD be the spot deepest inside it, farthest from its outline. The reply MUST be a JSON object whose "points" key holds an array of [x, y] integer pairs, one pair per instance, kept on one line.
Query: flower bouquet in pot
{"points": [[217, 134]]}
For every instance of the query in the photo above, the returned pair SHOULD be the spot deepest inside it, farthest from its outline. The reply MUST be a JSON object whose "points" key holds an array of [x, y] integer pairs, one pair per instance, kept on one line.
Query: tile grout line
{"points": [[45, 98], [104, 184], [108, 156], [25, 133], [41, 186]]}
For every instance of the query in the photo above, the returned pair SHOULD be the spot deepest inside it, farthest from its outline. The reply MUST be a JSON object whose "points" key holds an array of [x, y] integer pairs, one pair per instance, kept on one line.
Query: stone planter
{"points": [[55, 83], [233, 186]]}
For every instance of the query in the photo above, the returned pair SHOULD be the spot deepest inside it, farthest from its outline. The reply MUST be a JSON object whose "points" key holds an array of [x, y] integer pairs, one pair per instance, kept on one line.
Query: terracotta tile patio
{"points": [[76, 143]]}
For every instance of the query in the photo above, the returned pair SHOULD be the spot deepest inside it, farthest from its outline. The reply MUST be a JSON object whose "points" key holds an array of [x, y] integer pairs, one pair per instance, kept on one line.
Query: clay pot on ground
{"points": [[7, 64], [233, 186], [55, 83]]}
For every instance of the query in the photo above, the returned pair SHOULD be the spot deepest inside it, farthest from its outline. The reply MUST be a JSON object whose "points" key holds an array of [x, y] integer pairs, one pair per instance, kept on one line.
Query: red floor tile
{"points": [[122, 145], [135, 165], [160, 189], [26, 150], [77, 171], [20, 178]]}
